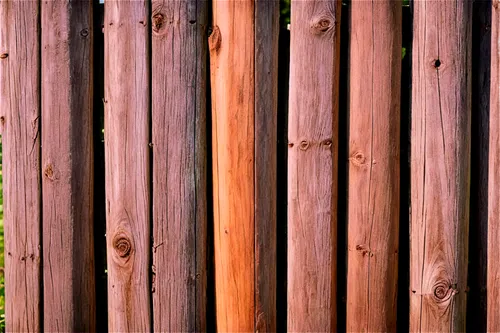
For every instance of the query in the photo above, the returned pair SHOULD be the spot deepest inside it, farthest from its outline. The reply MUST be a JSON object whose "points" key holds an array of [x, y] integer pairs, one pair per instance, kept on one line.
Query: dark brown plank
{"points": [[266, 103], [179, 54]]}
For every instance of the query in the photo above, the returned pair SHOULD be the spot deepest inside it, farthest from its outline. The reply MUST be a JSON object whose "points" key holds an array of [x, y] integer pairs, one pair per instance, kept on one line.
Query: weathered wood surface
{"points": [[179, 54], [312, 166], [478, 230], [127, 98], [19, 125], [493, 278], [440, 165], [265, 147], [67, 166], [243, 60], [373, 185]]}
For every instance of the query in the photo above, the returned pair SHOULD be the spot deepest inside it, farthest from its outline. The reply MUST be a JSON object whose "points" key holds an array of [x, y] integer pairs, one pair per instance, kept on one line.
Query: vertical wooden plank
{"points": [[478, 233], [243, 54], [67, 162], [265, 147], [312, 165], [373, 185], [19, 125], [440, 165], [179, 164], [493, 270], [232, 82], [127, 98]]}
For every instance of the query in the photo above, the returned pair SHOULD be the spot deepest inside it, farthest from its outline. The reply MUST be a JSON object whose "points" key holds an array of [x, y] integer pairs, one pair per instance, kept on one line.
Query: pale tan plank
{"points": [[312, 166], [19, 125], [373, 193], [440, 165], [127, 97]]}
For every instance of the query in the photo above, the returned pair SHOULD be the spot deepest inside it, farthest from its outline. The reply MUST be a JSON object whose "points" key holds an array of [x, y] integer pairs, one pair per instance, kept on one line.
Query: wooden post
{"points": [[19, 125], [179, 31], [440, 165], [243, 60], [374, 157], [68, 166], [127, 98], [493, 287], [312, 166]]}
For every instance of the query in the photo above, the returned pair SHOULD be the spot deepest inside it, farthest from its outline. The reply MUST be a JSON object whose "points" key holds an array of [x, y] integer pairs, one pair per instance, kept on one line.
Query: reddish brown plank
{"points": [[19, 125], [126, 136], [440, 165], [312, 166], [373, 193], [243, 58], [493, 275], [67, 162], [179, 54]]}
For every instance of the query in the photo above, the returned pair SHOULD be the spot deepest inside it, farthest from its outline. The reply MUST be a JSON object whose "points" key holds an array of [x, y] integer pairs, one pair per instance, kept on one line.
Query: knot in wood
{"points": [[157, 22], [322, 24], [327, 143], [49, 172], [122, 246], [4, 55], [442, 291], [215, 39], [304, 144], [84, 32], [358, 158]]}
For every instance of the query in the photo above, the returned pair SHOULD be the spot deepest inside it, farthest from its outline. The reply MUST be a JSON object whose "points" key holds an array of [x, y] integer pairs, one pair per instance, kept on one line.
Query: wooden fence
{"points": [[341, 175]]}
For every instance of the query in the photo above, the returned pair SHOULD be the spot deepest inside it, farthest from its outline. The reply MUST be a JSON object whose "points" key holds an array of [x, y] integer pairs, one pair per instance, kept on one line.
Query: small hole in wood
{"points": [[437, 63]]}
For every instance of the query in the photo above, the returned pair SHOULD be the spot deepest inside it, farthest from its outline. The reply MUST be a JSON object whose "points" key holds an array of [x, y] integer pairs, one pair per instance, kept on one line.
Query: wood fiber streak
{"points": [[493, 277], [67, 166], [374, 157], [19, 127], [312, 166], [126, 135], [440, 165], [231, 47], [266, 106], [179, 52]]}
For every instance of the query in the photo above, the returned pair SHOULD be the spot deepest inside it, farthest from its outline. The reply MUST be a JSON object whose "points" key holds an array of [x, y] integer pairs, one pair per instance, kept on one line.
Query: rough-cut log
{"points": [[373, 200], [19, 126], [243, 58], [179, 164], [440, 165], [493, 278], [312, 166], [67, 165], [127, 97]]}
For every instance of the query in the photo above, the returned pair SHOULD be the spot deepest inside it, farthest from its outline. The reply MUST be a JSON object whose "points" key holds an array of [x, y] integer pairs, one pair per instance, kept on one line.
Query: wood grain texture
{"points": [[243, 58], [440, 165], [312, 166], [266, 127], [232, 81], [493, 277], [373, 185], [67, 165], [19, 125], [179, 54], [127, 98]]}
